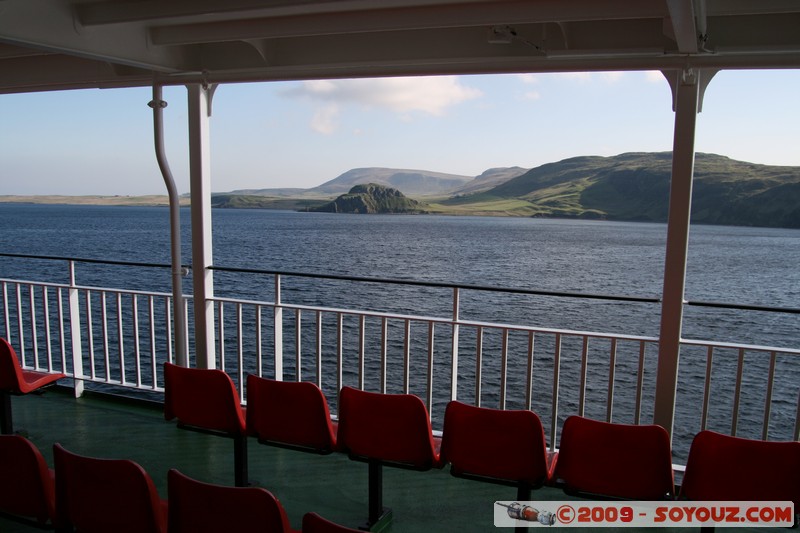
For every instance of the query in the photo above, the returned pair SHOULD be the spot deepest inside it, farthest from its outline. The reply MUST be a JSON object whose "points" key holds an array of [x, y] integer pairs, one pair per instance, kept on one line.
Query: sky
{"points": [[303, 134]]}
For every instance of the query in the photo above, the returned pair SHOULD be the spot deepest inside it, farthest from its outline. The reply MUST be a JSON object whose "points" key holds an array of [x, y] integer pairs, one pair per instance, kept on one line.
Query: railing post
{"points": [[454, 346], [75, 332], [278, 331]]}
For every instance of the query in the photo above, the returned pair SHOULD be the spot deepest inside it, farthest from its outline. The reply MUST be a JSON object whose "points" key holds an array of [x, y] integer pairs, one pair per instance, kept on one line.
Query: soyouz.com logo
{"points": [[578, 513]]}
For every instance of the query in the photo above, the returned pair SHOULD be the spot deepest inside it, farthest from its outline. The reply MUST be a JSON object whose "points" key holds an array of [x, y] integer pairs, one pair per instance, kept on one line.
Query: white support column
{"points": [[202, 252], [687, 98]]}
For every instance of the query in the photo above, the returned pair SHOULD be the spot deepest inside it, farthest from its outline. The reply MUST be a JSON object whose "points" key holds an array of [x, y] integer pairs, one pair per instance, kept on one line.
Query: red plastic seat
{"points": [[289, 414], [721, 467], [101, 495], [206, 400], [27, 489], [15, 380], [314, 523], [390, 429], [198, 507], [611, 460], [499, 446]]}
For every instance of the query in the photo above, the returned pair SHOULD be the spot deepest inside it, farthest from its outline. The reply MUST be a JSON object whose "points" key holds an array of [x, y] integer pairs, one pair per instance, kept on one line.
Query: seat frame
{"points": [[18, 385], [240, 465], [379, 517], [524, 487]]}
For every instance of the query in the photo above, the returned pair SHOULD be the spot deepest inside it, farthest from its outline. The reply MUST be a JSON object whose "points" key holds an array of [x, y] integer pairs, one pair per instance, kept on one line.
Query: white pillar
{"points": [[687, 98], [202, 251]]}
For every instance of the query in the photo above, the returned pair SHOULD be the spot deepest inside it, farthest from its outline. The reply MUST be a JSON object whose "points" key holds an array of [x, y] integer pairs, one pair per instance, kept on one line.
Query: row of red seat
{"points": [[94, 495], [597, 459]]}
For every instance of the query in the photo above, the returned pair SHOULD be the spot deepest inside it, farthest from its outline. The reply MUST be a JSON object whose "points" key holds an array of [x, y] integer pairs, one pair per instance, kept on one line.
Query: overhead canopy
{"points": [[68, 44]]}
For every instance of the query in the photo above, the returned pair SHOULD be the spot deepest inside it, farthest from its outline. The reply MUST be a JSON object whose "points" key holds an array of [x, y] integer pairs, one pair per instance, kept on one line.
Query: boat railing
{"points": [[118, 338]]}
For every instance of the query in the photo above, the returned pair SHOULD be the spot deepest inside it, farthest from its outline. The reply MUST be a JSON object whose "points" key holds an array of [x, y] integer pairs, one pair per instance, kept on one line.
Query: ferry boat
{"points": [[78, 44]]}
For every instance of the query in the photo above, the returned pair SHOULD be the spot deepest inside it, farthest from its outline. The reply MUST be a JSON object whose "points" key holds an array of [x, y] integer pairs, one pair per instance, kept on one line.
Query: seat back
{"points": [[503, 446], [721, 467], [615, 460], [27, 487], [202, 398], [197, 507], [10, 368], [392, 428], [289, 413], [101, 495], [314, 523]]}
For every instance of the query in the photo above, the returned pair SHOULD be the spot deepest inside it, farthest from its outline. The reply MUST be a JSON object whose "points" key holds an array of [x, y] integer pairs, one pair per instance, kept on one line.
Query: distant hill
{"points": [[371, 198], [489, 179], [409, 182], [635, 187], [260, 201]]}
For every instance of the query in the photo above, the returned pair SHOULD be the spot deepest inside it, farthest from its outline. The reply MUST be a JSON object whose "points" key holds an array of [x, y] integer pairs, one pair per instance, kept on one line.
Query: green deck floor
{"points": [[331, 485]]}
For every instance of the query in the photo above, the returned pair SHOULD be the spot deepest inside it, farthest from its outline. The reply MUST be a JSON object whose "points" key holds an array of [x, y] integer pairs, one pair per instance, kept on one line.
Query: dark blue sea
{"points": [[750, 266]]}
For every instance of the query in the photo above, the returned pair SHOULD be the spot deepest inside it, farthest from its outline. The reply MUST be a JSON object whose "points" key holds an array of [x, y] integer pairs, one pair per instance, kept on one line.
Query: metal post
{"points": [[202, 254], [278, 333], [75, 333], [454, 346], [687, 98], [181, 350]]}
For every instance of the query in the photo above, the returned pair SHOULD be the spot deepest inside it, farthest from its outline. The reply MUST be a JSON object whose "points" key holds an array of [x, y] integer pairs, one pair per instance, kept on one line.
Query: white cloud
{"points": [[324, 120], [428, 95]]}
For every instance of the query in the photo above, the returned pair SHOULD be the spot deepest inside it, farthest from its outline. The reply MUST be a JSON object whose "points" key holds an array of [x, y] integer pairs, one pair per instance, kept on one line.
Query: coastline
{"points": [[149, 200]]}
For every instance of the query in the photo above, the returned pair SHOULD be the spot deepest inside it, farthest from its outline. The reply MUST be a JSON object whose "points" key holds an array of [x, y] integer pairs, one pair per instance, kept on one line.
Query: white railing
{"points": [[119, 338]]}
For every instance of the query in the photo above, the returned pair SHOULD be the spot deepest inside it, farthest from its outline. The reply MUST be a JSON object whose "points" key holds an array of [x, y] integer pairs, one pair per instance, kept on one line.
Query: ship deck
{"points": [[334, 486]]}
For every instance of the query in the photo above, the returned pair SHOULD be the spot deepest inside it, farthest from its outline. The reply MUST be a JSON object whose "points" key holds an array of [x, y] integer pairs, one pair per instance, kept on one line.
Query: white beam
{"points": [[681, 14]]}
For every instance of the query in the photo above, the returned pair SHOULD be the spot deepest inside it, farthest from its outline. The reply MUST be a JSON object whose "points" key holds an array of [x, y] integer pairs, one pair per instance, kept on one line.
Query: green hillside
{"points": [[635, 187]]}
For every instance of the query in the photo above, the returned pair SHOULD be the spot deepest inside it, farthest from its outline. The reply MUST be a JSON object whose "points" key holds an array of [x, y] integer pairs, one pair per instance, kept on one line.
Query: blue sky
{"points": [[302, 134]]}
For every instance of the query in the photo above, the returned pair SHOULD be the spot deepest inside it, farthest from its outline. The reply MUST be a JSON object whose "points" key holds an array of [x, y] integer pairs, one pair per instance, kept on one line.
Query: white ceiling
{"points": [[62, 44]]}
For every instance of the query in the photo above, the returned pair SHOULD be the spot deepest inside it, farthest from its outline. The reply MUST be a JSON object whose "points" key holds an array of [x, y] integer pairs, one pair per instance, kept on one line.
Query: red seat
{"points": [[289, 414], [102, 495], [15, 380], [391, 429], [622, 461], [198, 507], [206, 400], [721, 467], [314, 523], [27, 489], [500, 446]]}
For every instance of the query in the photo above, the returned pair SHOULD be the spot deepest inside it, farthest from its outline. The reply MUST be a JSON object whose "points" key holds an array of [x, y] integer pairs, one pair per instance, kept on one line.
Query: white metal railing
{"points": [[101, 335], [120, 337]]}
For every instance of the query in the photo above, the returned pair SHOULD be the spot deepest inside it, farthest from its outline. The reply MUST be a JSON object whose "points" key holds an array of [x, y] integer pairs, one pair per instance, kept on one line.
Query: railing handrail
{"points": [[89, 260], [433, 284], [442, 285], [56, 285]]}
